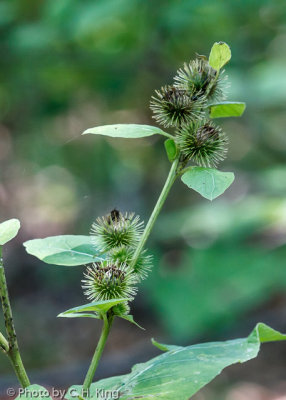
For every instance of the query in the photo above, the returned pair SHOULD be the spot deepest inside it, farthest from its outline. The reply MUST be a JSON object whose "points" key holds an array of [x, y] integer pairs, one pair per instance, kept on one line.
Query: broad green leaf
{"points": [[77, 392], [209, 182], [34, 392], [8, 230], [127, 131], [97, 306], [220, 54], [227, 109], [66, 250], [183, 371], [130, 318], [171, 149]]}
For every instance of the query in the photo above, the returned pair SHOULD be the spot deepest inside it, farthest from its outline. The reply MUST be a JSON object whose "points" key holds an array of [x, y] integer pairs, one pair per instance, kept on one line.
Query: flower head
{"points": [[125, 254], [203, 142], [106, 281], [198, 79], [116, 230], [173, 107], [219, 88], [121, 309]]}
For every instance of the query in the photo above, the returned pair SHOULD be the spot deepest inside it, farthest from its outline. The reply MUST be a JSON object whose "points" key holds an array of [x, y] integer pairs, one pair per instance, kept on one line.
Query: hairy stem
{"points": [[107, 322], [4, 345], [11, 346], [213, 83], [19, 369], [156, 211]]}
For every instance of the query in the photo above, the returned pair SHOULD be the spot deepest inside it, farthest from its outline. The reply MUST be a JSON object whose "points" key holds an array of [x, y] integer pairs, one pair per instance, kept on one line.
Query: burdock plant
{"points": [[115, 253]]}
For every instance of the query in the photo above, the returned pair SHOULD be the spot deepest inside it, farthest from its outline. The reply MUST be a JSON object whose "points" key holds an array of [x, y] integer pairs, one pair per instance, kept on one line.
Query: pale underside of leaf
{"points": [[8, 230], [97, 306], [97, 311], [127, 131], [78, 315], [68, 250]]}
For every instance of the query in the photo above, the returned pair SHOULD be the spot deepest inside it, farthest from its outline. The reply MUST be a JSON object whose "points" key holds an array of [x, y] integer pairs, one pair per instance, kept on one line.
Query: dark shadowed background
{"points": [[219, 267]]}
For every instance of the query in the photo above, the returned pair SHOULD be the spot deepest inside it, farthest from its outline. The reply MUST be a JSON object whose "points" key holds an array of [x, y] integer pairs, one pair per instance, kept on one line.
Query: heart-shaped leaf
{"points": [[127, 131], [220, 54], [8, 230], [209, 182], [182, 371], [96, 306], [68, 250], [227, 109]]}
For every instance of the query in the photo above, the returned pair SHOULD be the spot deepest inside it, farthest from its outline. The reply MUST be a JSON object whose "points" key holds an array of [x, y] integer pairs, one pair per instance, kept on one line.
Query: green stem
{"points": [[107, 322], [13, 349], [161, 200], [19, 369], [213, 83]]}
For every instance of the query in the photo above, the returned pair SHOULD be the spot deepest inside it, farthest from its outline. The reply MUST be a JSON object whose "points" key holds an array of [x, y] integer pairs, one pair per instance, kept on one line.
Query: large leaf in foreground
{"points": [[209, 182], [183, 371], [8, 230], [227, 109], [127, 131], [66, 250]]}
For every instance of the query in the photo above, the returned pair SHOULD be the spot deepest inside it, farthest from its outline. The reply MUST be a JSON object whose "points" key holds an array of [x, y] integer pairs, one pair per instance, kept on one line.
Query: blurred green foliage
{"points": [[233, 265], [66, 66]]}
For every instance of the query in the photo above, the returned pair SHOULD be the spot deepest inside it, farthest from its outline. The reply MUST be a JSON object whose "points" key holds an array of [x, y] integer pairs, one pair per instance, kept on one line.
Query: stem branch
{"points": [[107, 322], [11, 346], [160, 202]]}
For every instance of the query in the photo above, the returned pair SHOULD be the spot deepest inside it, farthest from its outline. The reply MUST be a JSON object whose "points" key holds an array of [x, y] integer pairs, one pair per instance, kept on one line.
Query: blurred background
{"points": [[219, 267]]}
